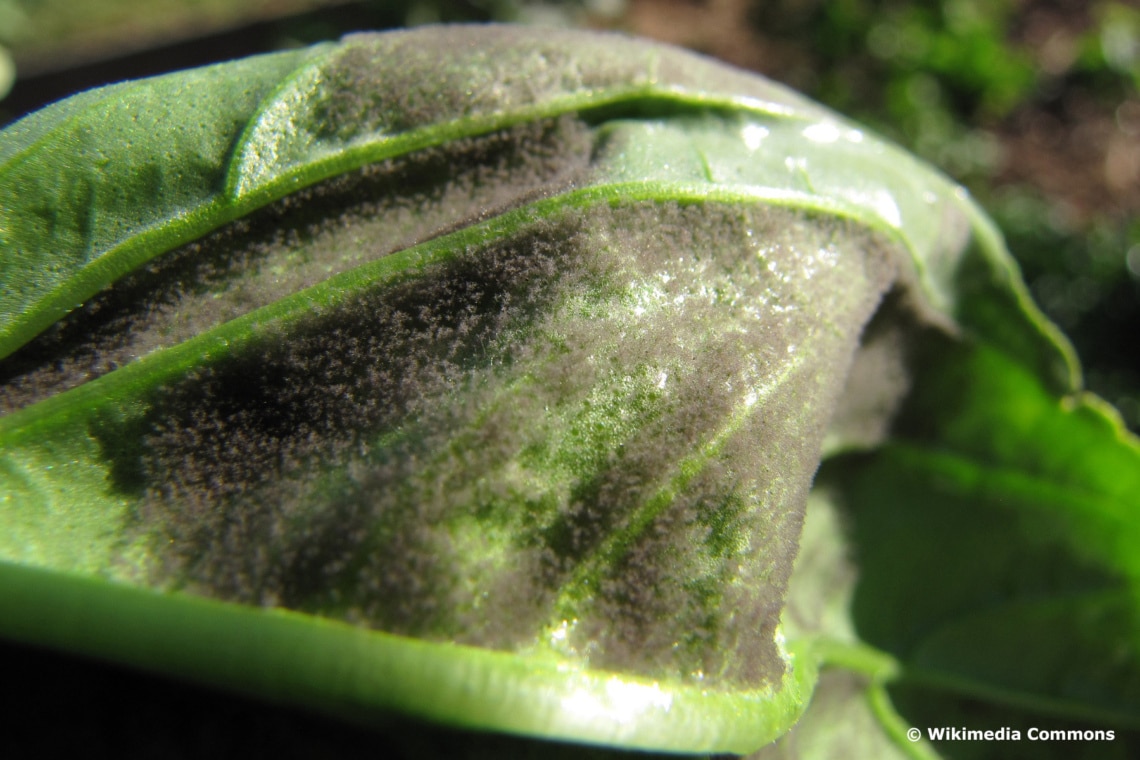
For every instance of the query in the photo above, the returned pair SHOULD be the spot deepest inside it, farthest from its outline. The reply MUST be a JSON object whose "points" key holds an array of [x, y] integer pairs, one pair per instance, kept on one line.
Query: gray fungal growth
{"points": [[441, 73], [531, 343], [295, 243], [882, 372], [592, 433], [628, 400]]}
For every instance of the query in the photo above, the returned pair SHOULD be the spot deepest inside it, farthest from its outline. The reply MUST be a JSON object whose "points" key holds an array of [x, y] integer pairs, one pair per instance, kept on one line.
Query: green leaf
{"points": [[1043, 495], [108, 179], [82, 221], [481, 376], [989, 555], [570, 485], [996, 560]]}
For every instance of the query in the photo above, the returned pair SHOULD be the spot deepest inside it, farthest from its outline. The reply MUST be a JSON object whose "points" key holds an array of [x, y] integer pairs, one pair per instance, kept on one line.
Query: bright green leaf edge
{"points": [[359, 674], [1097, 488], [990, 443], [1107, 528]]}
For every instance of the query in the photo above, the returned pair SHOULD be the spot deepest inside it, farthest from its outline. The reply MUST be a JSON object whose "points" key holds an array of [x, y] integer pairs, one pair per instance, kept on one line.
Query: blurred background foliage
{"points": [[1032, 104]]}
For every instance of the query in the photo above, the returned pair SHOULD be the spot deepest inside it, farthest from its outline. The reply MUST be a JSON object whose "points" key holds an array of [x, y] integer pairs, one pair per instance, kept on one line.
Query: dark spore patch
{"points": [[230, 446], [443, 454], [121, 445], [98, 337], [445, 73], [292, 244], [697, 592]]}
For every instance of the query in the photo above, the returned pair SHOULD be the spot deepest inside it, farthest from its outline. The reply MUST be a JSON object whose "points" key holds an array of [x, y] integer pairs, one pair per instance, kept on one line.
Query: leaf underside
{"points": [[482, 376]]}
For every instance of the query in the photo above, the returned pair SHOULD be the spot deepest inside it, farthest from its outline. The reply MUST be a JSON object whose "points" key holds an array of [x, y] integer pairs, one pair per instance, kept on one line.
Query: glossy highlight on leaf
{"points": [[481, 376]]}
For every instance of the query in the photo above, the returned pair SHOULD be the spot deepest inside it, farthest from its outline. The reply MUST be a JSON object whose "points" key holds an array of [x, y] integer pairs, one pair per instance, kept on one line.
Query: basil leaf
{"points": [[1043, 495], [481, 376]]}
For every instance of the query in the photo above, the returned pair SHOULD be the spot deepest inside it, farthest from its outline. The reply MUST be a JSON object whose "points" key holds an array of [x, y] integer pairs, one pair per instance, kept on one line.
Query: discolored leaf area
{"points": [[481, 376]]}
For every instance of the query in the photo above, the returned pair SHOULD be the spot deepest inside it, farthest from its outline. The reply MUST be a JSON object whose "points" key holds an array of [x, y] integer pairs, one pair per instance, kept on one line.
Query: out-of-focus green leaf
{"points": [[46, 34], [1042, 495], [988, 554]]}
